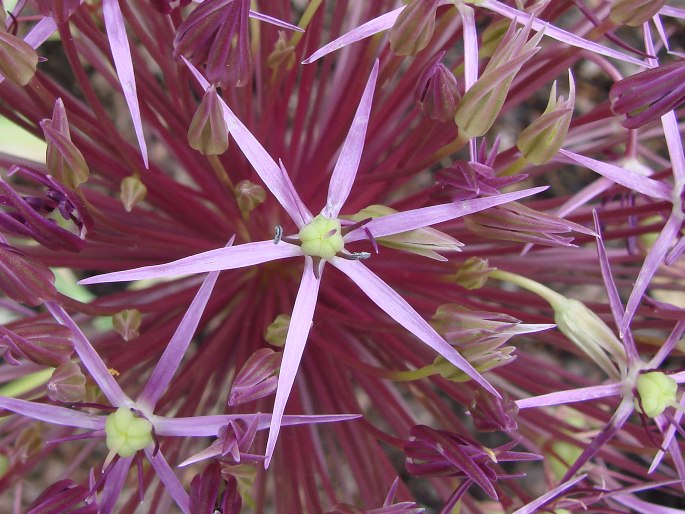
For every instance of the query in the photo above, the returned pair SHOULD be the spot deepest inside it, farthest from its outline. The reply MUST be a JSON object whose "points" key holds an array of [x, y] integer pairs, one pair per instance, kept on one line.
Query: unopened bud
{"points": [[634, 12], [249, 196], [657, 391], [208, 133], [67, 384], [133, 191], [283, 54], [63, 160], [24, 279], [276, 333], [18, 60], [437, 91], [473, 274], [540, 141], [127, 323], [257, 378], [29, 442], [414, 27], [491, 414]]}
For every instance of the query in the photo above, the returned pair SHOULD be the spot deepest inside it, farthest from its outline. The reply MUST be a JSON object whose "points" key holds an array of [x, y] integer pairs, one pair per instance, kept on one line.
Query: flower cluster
{"points": [[355, 257]]}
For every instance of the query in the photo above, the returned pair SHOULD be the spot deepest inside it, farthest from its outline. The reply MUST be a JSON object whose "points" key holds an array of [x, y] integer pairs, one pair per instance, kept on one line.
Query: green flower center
{"points": [[322, 237], [127, 433], [657, 391]]}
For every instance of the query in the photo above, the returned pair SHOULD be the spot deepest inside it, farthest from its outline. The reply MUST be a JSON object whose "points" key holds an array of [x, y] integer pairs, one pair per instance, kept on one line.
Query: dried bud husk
{"points": [[67, 384], [423, 241], [414, 27], [481, 104], [634, 12], [29, 442], [257, 378], [277, 331], [249, 196], [63, 160], [133, 191], [18, 60], [208, 133], [648, 95], [540, 141], [437, 91], [473, 274], [127, 323], [24, 279], [283, 54], [65, 493]]}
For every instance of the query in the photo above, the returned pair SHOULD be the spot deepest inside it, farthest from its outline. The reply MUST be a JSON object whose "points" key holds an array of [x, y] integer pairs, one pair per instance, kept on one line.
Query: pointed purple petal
{"points": [[398, 309], [674, 143], [121, 52], [571, 396], [53, 414], [426, 216], [213, 260], [274, 21], [534, 506], [90, 358], [208, 426], [114, 484], [175, 351], [368, 29], [169, 479], [652, 262], [348, 161], [468, 21], [259, 158], [638, 183], [523, 18], [300, 324]]}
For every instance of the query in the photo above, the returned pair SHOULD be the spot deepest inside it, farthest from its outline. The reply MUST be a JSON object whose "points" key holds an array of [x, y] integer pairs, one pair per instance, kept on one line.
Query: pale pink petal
{"points": [[90, 358], [169, 479], [53, 414], [583, 394], [259, 158], [468, 21], [534, 506], [675, 12], [674, 143], [398, 309], [295, 341], [629, 179], [346, 167], [176, 349], [426, 216], [652, 262], [561, 35], [213, 260], [121, 52], [274, 21], [368, 29], [208, 426]]}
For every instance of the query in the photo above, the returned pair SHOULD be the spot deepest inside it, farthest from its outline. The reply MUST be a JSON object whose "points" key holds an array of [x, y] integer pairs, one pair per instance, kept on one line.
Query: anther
{"points": [[278, 234]]}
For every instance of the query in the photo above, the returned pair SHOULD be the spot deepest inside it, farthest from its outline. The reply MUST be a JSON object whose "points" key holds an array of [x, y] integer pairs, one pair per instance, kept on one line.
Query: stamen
{"points": [[278, 234], [354, 256]]}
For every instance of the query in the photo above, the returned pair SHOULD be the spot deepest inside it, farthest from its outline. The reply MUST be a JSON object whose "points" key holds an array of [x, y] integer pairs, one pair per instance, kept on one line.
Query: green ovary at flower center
{"points": [[322, 237], [657, 391], [127, 433]]}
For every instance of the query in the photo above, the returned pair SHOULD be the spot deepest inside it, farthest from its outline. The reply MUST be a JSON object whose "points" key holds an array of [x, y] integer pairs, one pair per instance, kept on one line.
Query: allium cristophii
{"points": [[503, 332]]}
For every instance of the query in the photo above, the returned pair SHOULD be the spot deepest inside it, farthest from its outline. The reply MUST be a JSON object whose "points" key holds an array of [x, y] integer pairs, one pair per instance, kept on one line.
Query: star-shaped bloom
{"points": [[321, 239], [131, 426]]}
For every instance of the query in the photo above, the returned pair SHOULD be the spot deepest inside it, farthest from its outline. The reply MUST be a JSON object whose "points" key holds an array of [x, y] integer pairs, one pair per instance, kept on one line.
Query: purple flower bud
{"points": [[216, 34], [167, 6], [23, 279], [67, 384], [257, 378], [437, 91], [634, 12], [204, 490], [64, 496], [63, 159], [232, 502], [648, 95], [48, 344], [49, 8], [492, 414], [208, 133], [466, 180], [18, 60], [414, 27]]}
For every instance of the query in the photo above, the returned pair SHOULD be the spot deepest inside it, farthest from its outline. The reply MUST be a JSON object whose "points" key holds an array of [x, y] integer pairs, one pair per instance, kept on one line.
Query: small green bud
{"points": [[67, 383], [414, 27], [657, 391], [276, 333], [283, 54], [18, 60], [540, 141], [133, 191], [208, 133], [473, 274], [322, 237], [249, 196], [63, 160], [127, 323], [127, 433], [634, 12]]}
